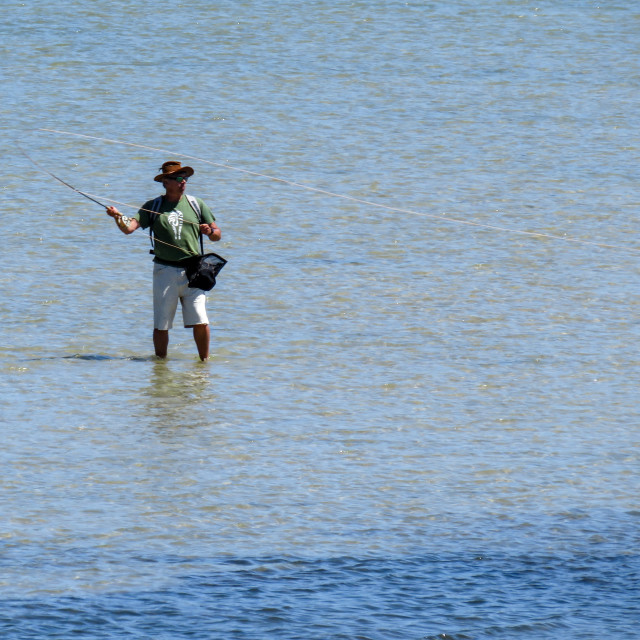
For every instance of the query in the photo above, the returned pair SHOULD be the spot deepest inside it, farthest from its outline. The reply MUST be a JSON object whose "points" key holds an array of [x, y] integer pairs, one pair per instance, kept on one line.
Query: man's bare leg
{"points": [[201, 335], [161, 342]]}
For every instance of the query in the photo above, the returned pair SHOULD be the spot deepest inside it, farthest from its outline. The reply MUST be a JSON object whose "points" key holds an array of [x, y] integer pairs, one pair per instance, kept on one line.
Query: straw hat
{"points": [[170, 168]]}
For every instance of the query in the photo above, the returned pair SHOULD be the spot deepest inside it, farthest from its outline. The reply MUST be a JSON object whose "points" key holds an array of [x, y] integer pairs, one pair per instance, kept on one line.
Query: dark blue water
{"points": [[451, 595]]}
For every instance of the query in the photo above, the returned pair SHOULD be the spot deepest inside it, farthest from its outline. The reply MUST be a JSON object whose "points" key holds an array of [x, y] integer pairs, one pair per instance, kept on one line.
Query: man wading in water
{"points": [[177, 230]]}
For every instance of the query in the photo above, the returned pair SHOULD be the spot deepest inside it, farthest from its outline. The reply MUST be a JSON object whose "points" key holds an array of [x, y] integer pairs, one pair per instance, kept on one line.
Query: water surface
{"points": [[418, 422]]}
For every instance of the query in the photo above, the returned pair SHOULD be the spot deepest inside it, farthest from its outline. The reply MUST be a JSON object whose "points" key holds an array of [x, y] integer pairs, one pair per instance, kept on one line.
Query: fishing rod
{"points": [[82, 193], [66, 184], [86, 195]]}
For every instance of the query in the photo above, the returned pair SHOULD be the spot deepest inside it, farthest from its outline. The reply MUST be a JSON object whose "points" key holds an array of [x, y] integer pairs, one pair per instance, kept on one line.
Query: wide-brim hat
{"points": [[170, 168]]}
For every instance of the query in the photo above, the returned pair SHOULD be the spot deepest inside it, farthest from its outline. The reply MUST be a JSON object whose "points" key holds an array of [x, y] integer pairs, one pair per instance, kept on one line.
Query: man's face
{"points": [[176, 185]]}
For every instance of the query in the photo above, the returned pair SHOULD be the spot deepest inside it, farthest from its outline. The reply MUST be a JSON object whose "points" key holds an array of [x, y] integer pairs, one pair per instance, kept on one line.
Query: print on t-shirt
{"points": [[175, 220]]}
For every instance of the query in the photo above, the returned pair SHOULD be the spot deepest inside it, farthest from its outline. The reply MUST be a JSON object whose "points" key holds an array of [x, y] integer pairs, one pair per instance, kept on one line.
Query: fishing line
{"points": [[533, 234], [158, 213]]}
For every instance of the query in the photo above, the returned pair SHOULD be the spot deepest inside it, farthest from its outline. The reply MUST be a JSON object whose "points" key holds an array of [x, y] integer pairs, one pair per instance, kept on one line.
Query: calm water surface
{"points": [[418, 422]]}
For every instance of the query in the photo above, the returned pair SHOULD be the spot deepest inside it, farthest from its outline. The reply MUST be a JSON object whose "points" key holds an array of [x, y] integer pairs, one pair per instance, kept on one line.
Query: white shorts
{"points": [[170, 284]]}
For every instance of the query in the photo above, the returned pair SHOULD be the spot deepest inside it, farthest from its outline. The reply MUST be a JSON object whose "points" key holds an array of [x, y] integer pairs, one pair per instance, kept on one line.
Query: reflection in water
{"points": [[173, 397]]}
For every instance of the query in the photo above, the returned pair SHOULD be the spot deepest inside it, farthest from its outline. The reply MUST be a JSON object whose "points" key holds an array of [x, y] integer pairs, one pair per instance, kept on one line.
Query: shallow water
{"points": [[418, 422]]}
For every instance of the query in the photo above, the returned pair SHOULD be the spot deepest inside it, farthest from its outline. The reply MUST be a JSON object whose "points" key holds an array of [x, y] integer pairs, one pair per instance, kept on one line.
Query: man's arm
{"points": [[211, 230], [208, 227], [126, 224]]}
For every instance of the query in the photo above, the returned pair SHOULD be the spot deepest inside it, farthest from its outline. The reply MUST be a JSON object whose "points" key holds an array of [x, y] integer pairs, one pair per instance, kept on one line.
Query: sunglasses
{"points": [[179, 179]]}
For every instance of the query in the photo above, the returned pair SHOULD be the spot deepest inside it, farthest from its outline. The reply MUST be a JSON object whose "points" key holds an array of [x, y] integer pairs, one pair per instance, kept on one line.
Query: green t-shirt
{"points": [[176, 228]]}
